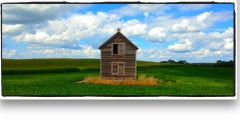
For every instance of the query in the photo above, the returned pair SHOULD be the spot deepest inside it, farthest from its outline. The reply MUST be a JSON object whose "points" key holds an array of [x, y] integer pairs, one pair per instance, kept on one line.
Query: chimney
{"points": [[118, 30]]}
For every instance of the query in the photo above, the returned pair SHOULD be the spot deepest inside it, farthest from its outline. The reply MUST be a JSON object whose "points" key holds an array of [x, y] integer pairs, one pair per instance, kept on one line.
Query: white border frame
{"points": [[119, 98], [143, 98]]}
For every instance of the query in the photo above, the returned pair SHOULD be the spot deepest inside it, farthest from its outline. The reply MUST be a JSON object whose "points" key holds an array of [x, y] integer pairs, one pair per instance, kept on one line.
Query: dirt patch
{"points": [[142, 80]]}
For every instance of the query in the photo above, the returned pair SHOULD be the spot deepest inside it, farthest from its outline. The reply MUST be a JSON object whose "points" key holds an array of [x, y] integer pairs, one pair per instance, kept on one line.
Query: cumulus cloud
{"points": [[161, 54], [221, 41], [78, 34], [152, 53], [200, 22], [133, 28], [228, 43], [184, 26], [69, 32], [86, 52], [212, 44], [34, 13], [202, 53], [181, 46], [52, 52], [192, 24], [192, 7], [9, 53], [157, 34], [12, 29], [145, 9]]}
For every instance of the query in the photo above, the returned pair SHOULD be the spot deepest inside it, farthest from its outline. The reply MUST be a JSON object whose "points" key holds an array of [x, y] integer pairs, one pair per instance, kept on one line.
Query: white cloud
{"points": [[214, 45], [133, 28], [203, 17], [228, 43], [184, 26], [35, 13], [70, 31], [79, 34], [201, 53], [54, 52], [8, 53], [221, 41], [48, 51], [90, 52], [195, 24], [157, 34], [181, 46], [200, 22], [161, 54], [148, 8], [192, 7], [206, 45], [12, 29], [228, 33], [136, 9]]}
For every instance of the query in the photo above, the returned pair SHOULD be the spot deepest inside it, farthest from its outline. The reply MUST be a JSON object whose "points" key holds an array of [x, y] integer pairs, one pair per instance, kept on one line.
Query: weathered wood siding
{"points": [[129, 58]]}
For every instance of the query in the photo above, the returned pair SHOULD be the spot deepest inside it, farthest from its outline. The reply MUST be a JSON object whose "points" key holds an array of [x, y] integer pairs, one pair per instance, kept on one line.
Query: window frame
{"points": [[118, 48], [118, 68]]}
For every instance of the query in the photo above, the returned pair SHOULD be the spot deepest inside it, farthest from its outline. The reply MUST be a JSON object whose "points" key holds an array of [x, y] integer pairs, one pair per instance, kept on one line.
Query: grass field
{"points": [[58, 77]]}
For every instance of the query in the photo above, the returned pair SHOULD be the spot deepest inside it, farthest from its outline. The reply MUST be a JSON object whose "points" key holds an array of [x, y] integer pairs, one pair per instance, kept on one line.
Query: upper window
{"points": [[115, 48], [118, 49]]}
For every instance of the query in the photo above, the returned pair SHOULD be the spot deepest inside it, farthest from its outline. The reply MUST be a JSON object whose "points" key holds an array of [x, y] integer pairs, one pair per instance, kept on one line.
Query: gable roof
{"points": [[118, 34]]}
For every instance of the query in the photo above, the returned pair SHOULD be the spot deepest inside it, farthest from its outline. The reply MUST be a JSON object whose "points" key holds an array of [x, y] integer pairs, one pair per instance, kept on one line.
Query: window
{"points": [[118, 49], [114, 68], [115, 48], [121, 49], [118, 68]]}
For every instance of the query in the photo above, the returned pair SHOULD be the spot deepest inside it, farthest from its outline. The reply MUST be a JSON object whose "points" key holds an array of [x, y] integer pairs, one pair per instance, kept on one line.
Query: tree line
{"points": [[175, 62], [219, 63]]}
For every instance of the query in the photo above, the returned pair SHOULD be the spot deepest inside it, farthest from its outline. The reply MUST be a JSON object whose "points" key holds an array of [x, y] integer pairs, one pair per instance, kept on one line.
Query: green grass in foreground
{"points": [[57, 77]]}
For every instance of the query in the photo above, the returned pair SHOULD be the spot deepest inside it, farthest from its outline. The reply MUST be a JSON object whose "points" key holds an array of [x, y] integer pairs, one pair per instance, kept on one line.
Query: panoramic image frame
{"points": [[118, 49]]}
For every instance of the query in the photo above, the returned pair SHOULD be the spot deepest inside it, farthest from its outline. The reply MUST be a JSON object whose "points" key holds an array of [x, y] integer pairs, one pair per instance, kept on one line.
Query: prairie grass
{"points": [[38, 71], [142, 80], [49, 63], [57, 77]]}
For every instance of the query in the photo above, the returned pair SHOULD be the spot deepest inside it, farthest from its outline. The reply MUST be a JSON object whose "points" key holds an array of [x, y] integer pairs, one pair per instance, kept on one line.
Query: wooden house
{"points": [[118, 58]]}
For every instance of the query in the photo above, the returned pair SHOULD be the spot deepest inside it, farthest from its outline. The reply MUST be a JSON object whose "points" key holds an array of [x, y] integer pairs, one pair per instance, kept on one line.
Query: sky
{"points": [[191, 32]]}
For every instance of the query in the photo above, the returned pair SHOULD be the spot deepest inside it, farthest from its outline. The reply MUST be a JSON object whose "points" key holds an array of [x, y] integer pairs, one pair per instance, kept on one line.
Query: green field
{"points": [[58, 77]]}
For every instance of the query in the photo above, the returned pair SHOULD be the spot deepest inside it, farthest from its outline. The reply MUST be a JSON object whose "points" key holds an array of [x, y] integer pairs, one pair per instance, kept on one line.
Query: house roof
{"points": [[118, 34]]}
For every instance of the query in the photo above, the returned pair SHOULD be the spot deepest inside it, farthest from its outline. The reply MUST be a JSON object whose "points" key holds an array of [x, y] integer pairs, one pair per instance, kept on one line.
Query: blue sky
{"points": [[192, 32]]}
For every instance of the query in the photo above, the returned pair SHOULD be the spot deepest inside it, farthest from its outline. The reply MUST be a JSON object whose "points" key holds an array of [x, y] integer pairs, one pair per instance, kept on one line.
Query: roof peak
{"points": [[118, 30], [118, 34]]}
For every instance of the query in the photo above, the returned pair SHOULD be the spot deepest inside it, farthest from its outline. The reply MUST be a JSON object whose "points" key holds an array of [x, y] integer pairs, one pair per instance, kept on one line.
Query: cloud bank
{"points": [[75, 31]]}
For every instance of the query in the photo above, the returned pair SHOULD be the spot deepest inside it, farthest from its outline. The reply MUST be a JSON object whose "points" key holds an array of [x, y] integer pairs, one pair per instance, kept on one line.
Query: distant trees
{"points": [[182, 62], [221, 63], [175, 62], [171, 61]]}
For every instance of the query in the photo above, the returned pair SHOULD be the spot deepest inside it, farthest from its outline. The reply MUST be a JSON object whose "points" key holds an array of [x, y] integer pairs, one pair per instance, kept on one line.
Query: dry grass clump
{"points": [[142, 80]]}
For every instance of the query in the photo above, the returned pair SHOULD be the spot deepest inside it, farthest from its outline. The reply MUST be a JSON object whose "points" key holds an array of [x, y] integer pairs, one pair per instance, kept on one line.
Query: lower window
{"points": [[118, 68]]}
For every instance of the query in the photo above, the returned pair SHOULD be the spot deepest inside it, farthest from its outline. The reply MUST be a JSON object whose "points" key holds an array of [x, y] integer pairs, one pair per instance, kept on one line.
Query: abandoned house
{"points": [[118, 58]]}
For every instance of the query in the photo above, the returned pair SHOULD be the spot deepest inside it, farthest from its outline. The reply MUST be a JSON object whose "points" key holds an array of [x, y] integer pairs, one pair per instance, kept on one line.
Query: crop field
{"points": [[59, 77]]}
